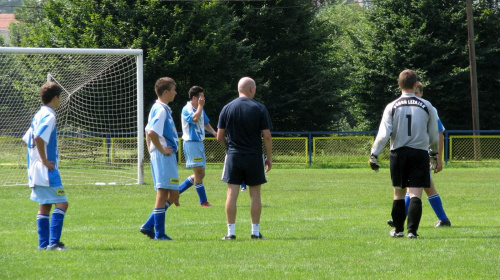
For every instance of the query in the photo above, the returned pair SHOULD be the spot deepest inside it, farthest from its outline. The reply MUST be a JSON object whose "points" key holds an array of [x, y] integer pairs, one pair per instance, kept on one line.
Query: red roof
{"points": [[5, 20]]}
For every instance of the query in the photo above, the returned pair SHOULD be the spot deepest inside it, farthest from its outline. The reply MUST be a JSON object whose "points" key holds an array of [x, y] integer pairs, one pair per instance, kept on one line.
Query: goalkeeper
{"points": [[432, 194], [411, 124]]}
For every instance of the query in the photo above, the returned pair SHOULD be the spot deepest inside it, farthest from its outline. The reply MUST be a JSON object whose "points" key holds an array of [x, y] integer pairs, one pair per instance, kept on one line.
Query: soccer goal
{"points": [[100, 119]]}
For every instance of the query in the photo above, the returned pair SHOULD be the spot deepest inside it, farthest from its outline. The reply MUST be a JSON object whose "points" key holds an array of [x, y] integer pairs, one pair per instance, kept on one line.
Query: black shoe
{"points": [[229, 237], [58, 246], [148, 231], [257, 237], [442, 223], [412, 235], [390, 223]]}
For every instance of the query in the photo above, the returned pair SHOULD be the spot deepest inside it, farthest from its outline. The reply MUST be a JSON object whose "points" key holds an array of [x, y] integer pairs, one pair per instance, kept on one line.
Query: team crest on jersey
{"points": [[60, 192], [174, 181], [197, 159]]}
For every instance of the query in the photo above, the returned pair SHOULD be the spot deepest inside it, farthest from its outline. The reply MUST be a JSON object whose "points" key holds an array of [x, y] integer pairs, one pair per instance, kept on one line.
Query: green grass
{"points": [[321, 224]]}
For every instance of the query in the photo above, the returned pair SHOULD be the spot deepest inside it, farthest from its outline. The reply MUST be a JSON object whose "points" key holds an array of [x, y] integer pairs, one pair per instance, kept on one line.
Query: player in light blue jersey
{"points": [[43, 172], [194, 123], [432, 194], [412, 125], [162, 142]]}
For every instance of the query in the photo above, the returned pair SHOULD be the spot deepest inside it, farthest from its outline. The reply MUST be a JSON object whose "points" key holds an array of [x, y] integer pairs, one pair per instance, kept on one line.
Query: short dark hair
{"points": [[48, 91], [407, 79], [195, 91], [163, 84]]}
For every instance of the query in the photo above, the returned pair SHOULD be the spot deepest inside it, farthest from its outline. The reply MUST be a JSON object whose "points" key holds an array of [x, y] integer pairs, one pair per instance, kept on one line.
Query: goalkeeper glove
{"points": [[433, 160], [374, 162]]}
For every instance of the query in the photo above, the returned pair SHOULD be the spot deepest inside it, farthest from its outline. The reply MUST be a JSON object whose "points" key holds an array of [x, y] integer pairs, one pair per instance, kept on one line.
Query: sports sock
{"points": [[159, 215], [255, 229], [407, 203], [231, 229], [150, 223], [398, 214], [200, 189], [186, 184], [167, 204], [437, 206], [43, 230], [56, 225], [414, 214]]}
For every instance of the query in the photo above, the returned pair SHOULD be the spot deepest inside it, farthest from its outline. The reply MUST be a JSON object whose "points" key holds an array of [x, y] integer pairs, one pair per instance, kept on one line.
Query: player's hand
{"points": [[49, 164], [201, 101], [167, 150], [374, 163], [269, 164], [433, 162]]}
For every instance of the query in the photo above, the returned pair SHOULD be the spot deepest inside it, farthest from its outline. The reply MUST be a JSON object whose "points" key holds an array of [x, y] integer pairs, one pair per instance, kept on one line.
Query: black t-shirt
{"points": [[244, 119]]}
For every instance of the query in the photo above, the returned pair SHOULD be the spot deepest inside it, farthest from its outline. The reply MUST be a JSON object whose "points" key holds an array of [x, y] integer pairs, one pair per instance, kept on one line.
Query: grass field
{"points": [[321, 224]]}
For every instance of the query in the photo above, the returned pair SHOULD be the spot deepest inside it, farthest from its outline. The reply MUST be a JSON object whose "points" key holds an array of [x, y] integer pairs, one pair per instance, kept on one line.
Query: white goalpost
{"points": [[100, 119]]}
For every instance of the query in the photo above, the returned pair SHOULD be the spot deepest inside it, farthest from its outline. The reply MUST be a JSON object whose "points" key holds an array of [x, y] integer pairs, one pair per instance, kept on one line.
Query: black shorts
{"points": [[247, 168], [410, 168]]}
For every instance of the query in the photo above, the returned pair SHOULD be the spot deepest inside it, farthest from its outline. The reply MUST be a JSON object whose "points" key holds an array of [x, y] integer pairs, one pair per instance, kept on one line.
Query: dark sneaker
{"points": [[390, 223], [148, 231], [395, 234], [442, 223], [206, 204], [412, 235], [164, 237], [229, 237], [58, 246], [258, 237]]}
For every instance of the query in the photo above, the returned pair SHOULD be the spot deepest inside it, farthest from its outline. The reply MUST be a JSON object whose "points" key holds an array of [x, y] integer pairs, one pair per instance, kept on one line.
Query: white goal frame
{"points": [[138, 53]]}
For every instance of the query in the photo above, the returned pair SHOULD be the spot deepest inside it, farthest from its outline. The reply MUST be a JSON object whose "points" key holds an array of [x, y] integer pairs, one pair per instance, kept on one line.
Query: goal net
{"points": [[99, 121]]}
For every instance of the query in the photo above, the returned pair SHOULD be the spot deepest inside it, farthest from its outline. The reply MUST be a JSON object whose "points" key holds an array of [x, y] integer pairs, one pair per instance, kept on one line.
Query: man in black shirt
{"points": [[242, 124]]}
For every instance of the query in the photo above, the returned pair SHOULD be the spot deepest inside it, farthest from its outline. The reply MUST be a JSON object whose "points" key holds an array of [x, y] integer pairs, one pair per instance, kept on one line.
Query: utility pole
{"points": [[473, 79]]}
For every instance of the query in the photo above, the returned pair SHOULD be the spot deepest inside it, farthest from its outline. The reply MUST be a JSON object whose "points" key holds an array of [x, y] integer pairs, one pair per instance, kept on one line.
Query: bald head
{"points": [[247, 87]]}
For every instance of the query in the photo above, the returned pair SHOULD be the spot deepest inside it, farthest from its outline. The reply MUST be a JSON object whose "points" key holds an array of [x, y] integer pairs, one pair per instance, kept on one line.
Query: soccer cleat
{"points": [[391, 223], [206, 204], [412, 235], [148, 231], [395, 234], [58, 246], [442, 223], [257, 237], [229, 237], [164, 237], [243, 189]]}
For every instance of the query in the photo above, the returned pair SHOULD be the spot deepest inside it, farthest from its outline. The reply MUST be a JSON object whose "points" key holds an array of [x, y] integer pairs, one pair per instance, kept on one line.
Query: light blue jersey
{"points": [[43, 125], [193, 131], [160, 121]]}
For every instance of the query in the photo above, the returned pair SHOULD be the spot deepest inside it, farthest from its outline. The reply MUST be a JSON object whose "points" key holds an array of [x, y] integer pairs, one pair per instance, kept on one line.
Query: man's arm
{"points": [[439, 158], [210, 129], [221, 137], [40, 146], [268, 144], [155, 140], [199, 111]]}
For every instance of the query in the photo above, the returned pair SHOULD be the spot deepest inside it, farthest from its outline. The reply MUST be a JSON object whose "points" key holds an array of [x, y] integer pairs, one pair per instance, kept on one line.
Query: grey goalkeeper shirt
{"points": [[410, 122]]}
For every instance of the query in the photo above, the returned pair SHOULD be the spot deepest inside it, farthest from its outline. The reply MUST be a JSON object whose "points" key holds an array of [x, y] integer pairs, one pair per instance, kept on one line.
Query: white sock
{"points": [[231, 229], [255, 229]]}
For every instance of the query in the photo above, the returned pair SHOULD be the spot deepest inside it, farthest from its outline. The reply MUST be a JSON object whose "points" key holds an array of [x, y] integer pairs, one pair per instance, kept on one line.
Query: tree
{"points": [[431, 38]]}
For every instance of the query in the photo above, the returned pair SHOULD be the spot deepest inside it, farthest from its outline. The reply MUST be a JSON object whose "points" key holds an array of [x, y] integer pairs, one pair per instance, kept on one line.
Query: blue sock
{"points": [[43, 230], [159, 216], [407, 203], [437, 205], [57, 224], [243, 186], [167, 204], [200, 188], [150, 223], [186, 184]]}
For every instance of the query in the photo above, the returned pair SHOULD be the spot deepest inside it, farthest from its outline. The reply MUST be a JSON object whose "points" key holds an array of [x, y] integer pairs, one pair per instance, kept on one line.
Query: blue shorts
{"points": [[48, 195], [194, 152], [248, 168], [164, 169]]}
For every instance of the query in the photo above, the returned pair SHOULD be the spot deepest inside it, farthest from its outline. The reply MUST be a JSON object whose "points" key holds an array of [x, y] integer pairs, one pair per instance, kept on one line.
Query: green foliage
{"points": [[321, 224]]}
